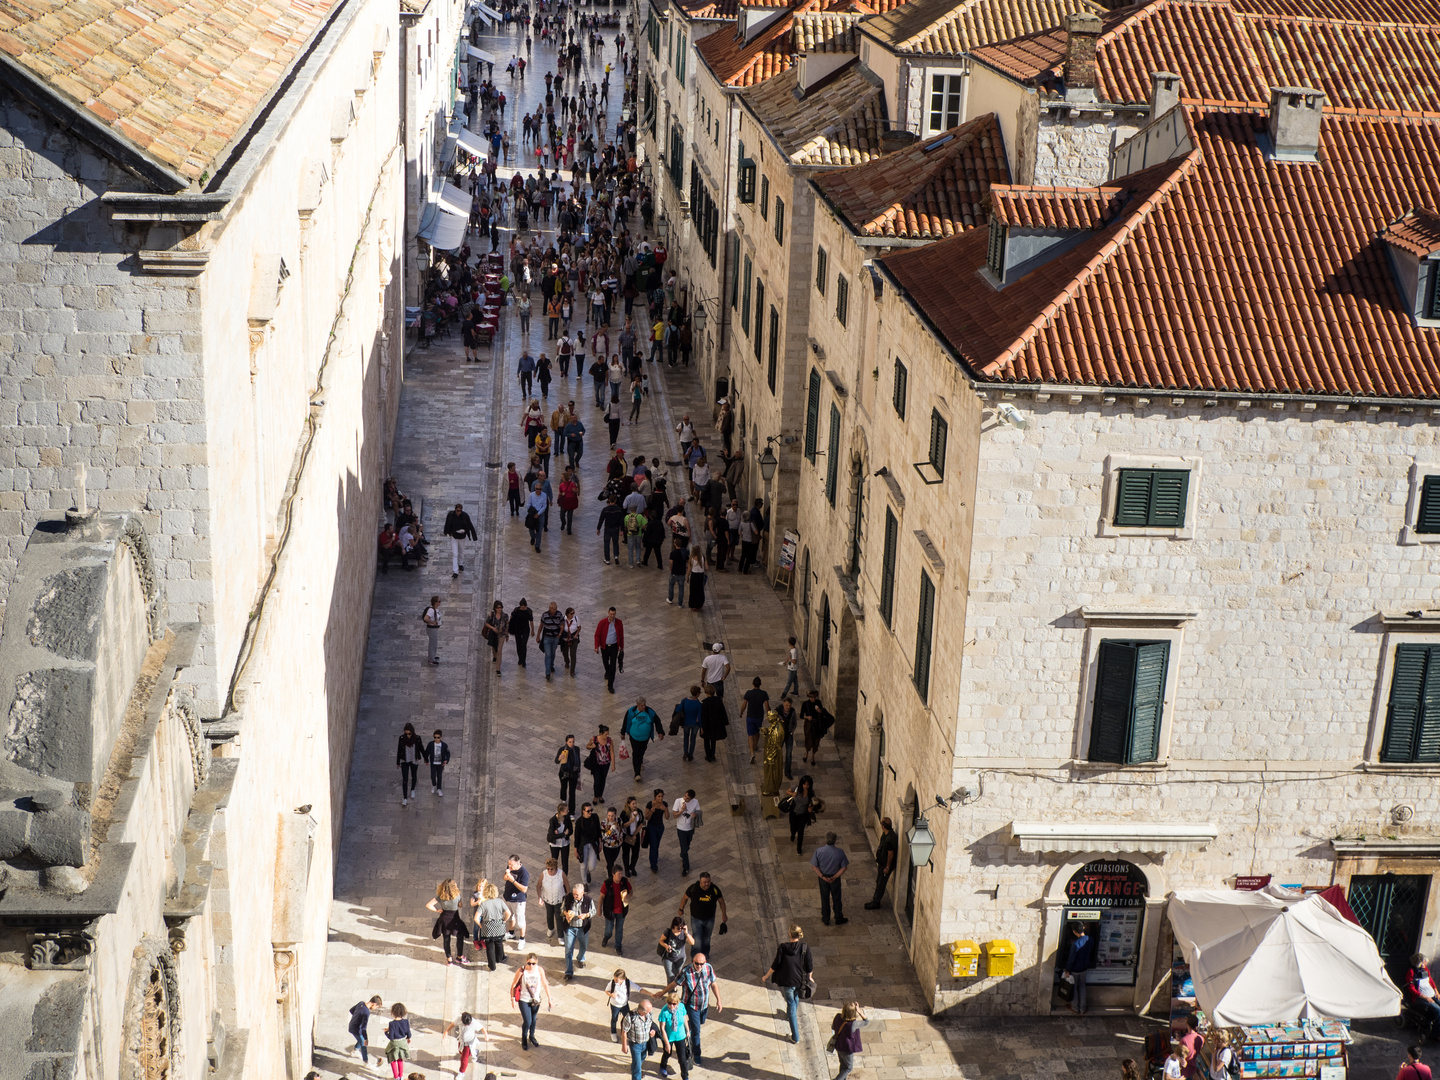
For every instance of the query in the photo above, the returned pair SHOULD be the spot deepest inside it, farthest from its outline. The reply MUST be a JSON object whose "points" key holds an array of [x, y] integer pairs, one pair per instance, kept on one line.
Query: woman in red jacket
{"points": [[569, 501]]}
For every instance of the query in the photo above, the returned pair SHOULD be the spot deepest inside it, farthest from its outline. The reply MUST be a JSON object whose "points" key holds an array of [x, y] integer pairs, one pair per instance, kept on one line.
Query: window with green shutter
{"points": [[924, 631], [734, 272], [1412, 724], [779, 220], [764, 198], [902, 387], [759, 310], [822, 269], [1129, 701], [773, 355], [812, 416], [887, 567], [939, 441], [1427, 518], [745, 305], [1151, 497], [832, 457], [842, 299]]}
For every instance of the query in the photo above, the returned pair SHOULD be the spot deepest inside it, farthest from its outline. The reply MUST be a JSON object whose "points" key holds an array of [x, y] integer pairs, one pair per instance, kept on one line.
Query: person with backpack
{"points": [[640, 726], [1412, 1069], [620, 992], [633, 526], [792, 971], [431, 618], [1224, 1062]]}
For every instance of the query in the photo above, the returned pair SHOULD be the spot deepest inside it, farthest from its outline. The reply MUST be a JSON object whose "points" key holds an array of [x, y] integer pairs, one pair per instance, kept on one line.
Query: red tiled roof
{"points": [[952, 27], [709, 9], [736, 62], [837, 121], [1417, 232], [927, 191], [179, 78], [1055, 208], [1222, 271], [1230, 54]]}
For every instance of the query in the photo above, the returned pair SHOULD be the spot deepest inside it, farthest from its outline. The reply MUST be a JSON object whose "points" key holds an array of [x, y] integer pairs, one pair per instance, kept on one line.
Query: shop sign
{"points": [[1252, 883], [1107, 883]]}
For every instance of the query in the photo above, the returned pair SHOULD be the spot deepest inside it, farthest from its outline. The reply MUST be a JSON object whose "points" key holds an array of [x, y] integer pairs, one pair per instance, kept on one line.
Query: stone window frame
{"points": [[1100, 628], [1419, 470], [1111, 492], [1380, 707]]}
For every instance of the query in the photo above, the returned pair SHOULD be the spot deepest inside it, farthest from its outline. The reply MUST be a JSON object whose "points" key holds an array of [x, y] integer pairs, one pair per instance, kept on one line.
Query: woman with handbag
{"points": [[554, 885], [846, 1038], [496, 630], [801, 808], [525, 989], [612, 839], [490, 916], [632, 828], [656, 814], [671, 950], [570, 640], [448, 923], [792, 972], [599, 759]]}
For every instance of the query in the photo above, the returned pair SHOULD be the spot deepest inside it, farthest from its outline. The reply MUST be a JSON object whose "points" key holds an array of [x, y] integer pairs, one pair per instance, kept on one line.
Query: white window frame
{"points": [[1418, 471], [957, 87], [1122, 629], [1381, 706], [1115, 462]]}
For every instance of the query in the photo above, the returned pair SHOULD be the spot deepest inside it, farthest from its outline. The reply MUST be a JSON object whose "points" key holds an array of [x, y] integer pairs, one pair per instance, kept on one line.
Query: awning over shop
{"points": [[453, 199], [452, 138], [489, 12], [1118, 836], [441, 228], [471, 143], [1258, 958], [481, 54]]}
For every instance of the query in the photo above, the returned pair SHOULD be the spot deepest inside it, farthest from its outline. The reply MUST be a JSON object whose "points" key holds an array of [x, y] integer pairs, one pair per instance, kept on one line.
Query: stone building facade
{"points": [[207, 318]]}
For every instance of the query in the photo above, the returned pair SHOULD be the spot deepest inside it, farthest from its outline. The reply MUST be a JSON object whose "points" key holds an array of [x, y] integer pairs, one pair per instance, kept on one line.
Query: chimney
{"points": [[1164, 92], [1295, 113], [1079, 71]]}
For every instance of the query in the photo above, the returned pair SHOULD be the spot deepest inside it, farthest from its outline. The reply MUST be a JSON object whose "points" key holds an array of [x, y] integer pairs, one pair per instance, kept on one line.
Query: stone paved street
{"points": [[458, 424]]}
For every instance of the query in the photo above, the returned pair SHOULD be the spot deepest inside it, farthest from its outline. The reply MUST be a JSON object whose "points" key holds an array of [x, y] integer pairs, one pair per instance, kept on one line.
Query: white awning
{"points": [[1118, 837], [454, 200], [481, 54], [472, 143], [488, 12], [445, 231]]}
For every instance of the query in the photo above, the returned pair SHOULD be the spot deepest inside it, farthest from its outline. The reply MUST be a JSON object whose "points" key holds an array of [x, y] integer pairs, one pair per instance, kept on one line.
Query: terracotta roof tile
{"points": [[709, 9], [927, 191], [181, 78], [1223, 270], [837, 122], [947, 28], [1055, 208], [1417, 232], [825, 32], [736, 62]]}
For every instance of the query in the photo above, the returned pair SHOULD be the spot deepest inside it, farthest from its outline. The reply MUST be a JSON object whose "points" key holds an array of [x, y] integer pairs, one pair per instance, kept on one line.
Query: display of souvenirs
{"points": [[1294, 1049]]}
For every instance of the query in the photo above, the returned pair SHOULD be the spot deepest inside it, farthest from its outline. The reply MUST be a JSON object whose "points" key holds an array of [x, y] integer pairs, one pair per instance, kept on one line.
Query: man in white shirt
{"points": [[715, 668], [686, 810]]}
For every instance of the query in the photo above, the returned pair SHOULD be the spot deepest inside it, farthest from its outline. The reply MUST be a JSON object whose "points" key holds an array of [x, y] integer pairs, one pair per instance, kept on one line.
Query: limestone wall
{"points": [[1075, 151]]}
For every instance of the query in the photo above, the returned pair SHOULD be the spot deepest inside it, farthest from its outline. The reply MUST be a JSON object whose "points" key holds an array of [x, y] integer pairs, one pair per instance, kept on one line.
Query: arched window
{"points": [[824, 630], [879, 802]]}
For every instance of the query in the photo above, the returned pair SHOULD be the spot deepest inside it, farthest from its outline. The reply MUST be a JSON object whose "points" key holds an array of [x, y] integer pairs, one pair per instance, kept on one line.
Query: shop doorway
{"points": [[1391, 907], [1107, 898], [912, 874]]}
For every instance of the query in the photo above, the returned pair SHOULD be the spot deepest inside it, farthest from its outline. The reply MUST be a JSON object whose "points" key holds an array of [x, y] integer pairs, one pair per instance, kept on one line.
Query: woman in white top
{"points": [[1176, 1062], [468, 1032], [620, 993], [687, 813], [1221, 1056], [526, 989], [553, 887]]}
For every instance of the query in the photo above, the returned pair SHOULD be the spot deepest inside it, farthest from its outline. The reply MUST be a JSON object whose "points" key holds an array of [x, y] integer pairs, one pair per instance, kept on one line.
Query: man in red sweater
{"points": [[610, 644]]}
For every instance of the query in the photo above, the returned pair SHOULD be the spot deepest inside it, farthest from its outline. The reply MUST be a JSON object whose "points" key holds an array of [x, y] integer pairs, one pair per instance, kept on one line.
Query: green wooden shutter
{"points": [[779, 220], [773, 356], [745, 305], [925, 625], [939, 440], [887, 567], [1167, 497], [1412, 725], [1132, 501], [812, 416], [759, 322], [1151, 661], [1114, 700], [735, 272], [1427, 518], [902, 384], [832, 452]]}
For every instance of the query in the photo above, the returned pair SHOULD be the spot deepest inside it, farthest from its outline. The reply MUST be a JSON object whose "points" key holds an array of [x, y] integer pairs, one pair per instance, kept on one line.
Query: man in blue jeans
{"points": [[790, 971], [705, 898], [578, 909], [690, 722], [635, 1031], [697, 987], [830, 864], [547, 635], [1078, 964]]}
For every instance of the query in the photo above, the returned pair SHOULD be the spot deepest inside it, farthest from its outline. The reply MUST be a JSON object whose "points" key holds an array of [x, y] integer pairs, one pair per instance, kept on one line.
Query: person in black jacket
{"points": [[437, 753], [458, 526], [407, 760], [522, 621], [558, 835], [714, 719], [792, 971], [587, 840], [568, 758], [611, 518]]}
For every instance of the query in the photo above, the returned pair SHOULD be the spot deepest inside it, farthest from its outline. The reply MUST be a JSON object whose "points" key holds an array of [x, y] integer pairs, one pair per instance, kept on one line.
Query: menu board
{"points": [[1117, 947]]}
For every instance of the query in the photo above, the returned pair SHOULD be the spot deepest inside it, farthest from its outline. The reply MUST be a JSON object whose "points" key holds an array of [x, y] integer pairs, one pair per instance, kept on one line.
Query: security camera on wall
{"points": [[1012, 416]]}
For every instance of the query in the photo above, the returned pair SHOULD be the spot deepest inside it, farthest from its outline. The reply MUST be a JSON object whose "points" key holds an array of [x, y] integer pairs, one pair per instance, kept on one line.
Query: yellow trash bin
{"points": [[999, 957], [964, 959]]}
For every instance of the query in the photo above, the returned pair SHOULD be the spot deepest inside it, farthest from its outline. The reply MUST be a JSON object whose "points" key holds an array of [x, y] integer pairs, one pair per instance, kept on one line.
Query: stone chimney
{"points": [[1079, 71], [1164, 92], [1295, 113]]}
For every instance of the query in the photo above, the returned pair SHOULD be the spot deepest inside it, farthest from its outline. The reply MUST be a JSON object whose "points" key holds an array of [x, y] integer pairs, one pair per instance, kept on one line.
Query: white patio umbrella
{"points": [[1257, 958]]}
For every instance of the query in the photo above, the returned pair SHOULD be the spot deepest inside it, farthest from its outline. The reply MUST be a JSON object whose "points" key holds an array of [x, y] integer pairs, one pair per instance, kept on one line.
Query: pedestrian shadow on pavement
{"points": [[423, 951]]}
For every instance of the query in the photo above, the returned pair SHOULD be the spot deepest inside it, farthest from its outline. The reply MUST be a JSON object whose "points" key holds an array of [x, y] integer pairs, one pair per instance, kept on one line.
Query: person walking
{"points": [[846, 1036], [619, 993], [674, 1024], [437, 753], [714, 669], [397, 1035], [547, 636], [614, 906], [522, 620], [699, 573], [791, 663], [635, 1034], [527, 989], [705, 899], [568, 759], [886, 853], [512, 489], [714, 721], [689, 710], [431, 618], [814, 721], [829, 863], [612, 518], [579, 909], [614, 415], [1078, 962], [558, 834], [553, 887], [679, 569], [632, 830], [792, 972], [360, 1025], [656, 814], [407, 759], [610, 644], [574, 441], [515, 892], [536, 507], [587, 840], [569, 500], [490, 915], [757, 704], [495, 631], [458, 526], [791, 720], [469, 1034], [633, 526], [673, 943], [1412, 1069], [570, 641], [697, 986], [687, 816], [641, 725]]}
